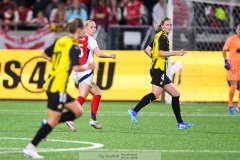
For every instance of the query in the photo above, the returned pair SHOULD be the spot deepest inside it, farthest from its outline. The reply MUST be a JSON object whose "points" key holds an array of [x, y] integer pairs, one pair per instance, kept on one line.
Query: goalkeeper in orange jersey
{"points": [[232, 64]]}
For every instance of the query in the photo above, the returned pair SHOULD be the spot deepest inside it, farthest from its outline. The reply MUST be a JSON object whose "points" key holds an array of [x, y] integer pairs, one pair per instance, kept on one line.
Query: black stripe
{"points": [[154, 63], [50, 84], [66, 82]]}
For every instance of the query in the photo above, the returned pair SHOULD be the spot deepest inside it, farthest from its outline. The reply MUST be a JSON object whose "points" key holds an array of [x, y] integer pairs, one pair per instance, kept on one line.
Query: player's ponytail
{"points": [[159, 26], [73, 25]]}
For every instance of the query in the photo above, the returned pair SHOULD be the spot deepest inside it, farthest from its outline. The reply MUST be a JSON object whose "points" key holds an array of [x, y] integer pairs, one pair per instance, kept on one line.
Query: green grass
{"points": [[215, 134]]}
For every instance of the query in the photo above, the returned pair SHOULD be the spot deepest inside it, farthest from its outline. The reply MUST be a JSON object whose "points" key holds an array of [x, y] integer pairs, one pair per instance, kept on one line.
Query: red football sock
{"points": [[231, 95], [80, 100], [94, 106]]}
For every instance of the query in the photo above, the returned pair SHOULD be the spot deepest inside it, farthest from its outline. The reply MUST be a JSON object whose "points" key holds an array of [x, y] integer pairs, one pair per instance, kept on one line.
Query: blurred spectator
{"points": [[101, 14], [115, 16], [59, 14], [220, 14], [149, 8], [236, 15], [5, 5], [70, 2], [87, 3], [76, 11], [158, 12], [180, 13], [41, 19], [39, 5], [134, 12], [10, 18], [122, 5], [115, 13], [25, 14], [50, 7], [182, 30]]}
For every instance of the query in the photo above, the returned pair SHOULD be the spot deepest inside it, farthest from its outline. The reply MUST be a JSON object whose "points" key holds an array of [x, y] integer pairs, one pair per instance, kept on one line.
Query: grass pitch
{"points": [[214, 136]]}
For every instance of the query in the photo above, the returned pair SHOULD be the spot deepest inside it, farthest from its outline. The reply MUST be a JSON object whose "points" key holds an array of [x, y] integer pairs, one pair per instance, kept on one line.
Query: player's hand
{"points": [[181, 53], [227, 64], [113, 56], [91, 65]]}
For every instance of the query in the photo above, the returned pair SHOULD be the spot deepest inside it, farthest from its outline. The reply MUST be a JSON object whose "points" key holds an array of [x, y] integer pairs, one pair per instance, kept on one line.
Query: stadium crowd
{"points": [[113, 12]]}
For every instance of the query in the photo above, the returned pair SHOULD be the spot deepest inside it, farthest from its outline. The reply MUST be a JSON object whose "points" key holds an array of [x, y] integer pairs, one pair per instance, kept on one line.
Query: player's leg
{"points": [[55, 107], [148, 98], [84, 89], [157, 87], [75, 110], [238, 85], [84, 82], [96, 93], [173, 91], [232, 80]]}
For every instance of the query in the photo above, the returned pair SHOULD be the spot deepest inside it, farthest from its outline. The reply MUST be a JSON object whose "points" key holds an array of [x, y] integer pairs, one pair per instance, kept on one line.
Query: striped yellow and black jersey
{"points": [[65, 54], [160, 42]]}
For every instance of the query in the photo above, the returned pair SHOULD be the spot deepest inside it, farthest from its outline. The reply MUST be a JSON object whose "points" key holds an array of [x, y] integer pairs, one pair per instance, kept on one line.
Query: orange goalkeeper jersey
{"points": [[233, 46]]}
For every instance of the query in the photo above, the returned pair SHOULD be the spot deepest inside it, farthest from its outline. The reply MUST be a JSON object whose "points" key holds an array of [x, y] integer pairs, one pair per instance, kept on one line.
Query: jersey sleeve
{"points": [[49, 50], [227, 44], [92, 43], [163, 43], [74, 55], [151, 44]]}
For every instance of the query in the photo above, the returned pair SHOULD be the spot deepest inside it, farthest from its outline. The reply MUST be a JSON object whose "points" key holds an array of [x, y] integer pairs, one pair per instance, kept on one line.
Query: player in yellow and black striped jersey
{"points": [[159, 51], [159, 63], [64, 55]]}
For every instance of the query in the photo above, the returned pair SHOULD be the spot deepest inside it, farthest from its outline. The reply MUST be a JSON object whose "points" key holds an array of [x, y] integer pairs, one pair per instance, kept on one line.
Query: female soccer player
{"points": [[84, 79], [64, 55], [158, 50], [233, 66]]}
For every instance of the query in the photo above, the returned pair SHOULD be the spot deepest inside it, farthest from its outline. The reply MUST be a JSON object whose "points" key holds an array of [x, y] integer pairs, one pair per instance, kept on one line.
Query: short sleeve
{"points": [[151, 44], [49, 50], [74, 55], [227, 44], [163, 43], [92, 43]]}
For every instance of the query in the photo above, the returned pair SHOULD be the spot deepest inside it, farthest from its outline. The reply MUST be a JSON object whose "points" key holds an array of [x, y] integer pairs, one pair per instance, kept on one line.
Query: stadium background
{"points": [[200, 27]]}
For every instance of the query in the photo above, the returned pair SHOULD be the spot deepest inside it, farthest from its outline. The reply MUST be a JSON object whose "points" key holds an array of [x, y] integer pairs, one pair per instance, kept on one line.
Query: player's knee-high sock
{"points": [[42, 132], [94, 106], [145, 101], [238, 99], [176, 109], [80, 100], [231, 95], [67, 116]]}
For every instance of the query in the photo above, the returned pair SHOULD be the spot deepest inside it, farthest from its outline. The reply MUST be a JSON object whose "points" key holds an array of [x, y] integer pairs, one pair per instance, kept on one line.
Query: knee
{"points": [[176, 94], [78, 113], [157, 94], [52, 123], [98, 93], [234, 87]]}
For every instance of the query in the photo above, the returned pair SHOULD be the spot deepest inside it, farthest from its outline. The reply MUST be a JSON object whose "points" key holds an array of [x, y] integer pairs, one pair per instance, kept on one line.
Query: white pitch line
{"points": [[93, 146], [170, 151], [121, 113]]}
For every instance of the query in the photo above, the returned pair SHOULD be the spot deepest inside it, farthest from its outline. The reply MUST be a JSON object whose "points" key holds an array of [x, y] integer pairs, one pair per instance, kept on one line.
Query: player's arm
{"points": [[148, 51], [48, 52], [167, 53], [101, 54], [74, 55], [164, 46], [224, 52]]}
